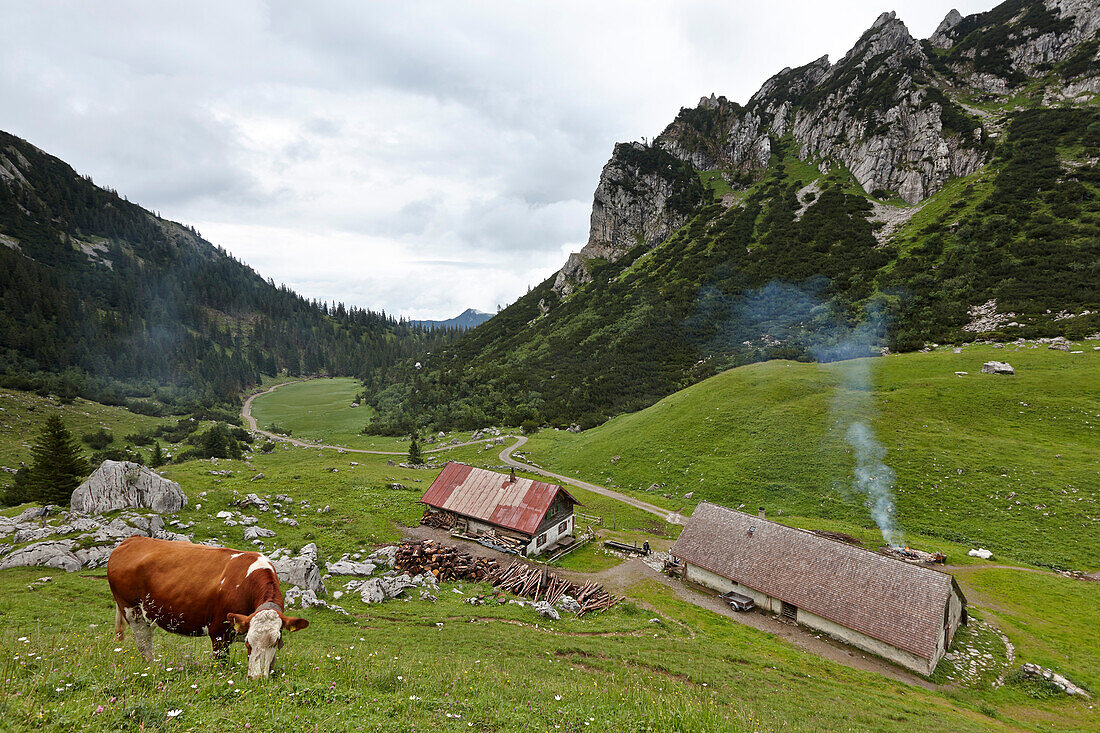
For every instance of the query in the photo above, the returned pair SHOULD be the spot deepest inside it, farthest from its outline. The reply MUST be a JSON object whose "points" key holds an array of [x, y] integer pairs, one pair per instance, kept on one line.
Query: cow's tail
{"points": [[120, 622]]}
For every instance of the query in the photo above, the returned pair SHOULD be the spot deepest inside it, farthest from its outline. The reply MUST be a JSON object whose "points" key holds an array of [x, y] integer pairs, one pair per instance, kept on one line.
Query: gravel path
{"points": [[670, 517]]}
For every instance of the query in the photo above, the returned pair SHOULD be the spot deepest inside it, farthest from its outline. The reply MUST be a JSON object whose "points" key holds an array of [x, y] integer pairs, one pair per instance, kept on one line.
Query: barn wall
{"points": [[906, 659], [704, 577], [953, 617], [553, 534]]}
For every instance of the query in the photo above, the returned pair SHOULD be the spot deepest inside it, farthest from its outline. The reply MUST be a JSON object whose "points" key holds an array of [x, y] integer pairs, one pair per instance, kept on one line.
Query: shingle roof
{"points": [[884, 598], [493, 497]]}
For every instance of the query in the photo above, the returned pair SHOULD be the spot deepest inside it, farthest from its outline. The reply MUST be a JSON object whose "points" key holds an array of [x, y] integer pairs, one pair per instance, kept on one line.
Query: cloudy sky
{"points": [[421, 157]]}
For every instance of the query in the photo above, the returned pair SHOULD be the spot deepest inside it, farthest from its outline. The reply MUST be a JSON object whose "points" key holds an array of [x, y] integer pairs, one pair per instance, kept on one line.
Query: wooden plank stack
{"points": [[539, 584], [445, 562]]}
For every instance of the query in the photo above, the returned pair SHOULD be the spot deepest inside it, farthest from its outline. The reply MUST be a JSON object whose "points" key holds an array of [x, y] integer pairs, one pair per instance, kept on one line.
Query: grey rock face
{"points": [[251, 500], [301, 571], [347, 567], [542, 608], [569, 604], [997, 367], [372, 592], [940, 37], [94, 557], [51, 554], [121, 484], [253, 533], [384, 556]]}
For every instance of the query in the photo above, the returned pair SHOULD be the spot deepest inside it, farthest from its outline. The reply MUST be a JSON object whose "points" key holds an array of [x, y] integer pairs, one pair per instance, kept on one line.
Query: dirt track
{"points": [[670, 517]]}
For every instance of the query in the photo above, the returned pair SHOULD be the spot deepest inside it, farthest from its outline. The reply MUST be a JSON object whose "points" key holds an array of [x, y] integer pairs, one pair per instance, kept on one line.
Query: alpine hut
{"points": [[528, 516], [905, 613]]}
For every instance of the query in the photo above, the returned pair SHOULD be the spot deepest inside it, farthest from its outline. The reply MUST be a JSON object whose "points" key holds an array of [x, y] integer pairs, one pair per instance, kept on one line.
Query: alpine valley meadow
{"points": [[863, 303]]}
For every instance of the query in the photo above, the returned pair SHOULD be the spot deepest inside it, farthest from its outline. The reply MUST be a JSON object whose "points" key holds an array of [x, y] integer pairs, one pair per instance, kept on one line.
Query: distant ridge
{"points": [[465, 320]]}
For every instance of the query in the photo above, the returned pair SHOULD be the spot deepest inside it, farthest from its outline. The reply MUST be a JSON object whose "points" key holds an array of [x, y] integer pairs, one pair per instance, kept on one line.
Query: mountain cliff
{"points": [[915, 190]]}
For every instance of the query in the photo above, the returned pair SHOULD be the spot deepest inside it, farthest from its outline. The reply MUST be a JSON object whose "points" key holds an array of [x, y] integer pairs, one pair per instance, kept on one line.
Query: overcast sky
{"points": [[420, 158]]}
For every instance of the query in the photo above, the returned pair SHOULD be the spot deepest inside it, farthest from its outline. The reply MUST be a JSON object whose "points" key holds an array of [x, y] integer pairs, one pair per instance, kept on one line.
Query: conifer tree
{"points": [[57, 466], [157, 459], [415, 458]]}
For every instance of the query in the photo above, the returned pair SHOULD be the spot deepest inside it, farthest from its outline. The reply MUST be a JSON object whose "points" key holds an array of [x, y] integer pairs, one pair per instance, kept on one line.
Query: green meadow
{"points": [[1004, 462]]}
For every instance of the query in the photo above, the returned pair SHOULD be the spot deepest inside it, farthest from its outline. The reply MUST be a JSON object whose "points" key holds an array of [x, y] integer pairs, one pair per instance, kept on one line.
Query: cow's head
{"points": [[263, 635]]}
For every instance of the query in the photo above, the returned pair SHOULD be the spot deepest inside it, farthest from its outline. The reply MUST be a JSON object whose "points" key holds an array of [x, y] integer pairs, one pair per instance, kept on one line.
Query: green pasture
{"points": [[1004, 462]]}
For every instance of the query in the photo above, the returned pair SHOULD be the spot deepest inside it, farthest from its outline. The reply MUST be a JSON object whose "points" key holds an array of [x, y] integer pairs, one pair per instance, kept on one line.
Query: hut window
{"points": [[541, 540], [563, 526]]}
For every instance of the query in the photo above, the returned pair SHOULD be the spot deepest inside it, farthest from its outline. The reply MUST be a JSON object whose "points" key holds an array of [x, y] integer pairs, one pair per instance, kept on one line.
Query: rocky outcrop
{"points": [[1000, 49], [122, 484], [940, 38], [52, 554], [997, 367], [301, 570]]}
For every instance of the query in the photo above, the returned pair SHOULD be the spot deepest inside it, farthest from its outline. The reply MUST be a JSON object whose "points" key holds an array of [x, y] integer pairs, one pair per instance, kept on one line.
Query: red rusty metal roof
{"points": [[884, 598], [492, 497]]}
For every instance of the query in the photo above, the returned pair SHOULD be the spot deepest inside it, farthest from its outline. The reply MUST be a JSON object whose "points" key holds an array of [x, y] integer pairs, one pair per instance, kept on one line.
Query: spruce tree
{"points": [[157, 459], [414, 451], [57, 466]]}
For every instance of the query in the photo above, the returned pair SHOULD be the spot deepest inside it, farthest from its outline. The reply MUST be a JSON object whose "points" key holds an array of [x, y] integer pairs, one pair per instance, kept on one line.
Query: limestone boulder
{"points": [[997, 367], [254, 533], [122, 484], [301, 571], [51, 554], [348, 567], [543, 608]]}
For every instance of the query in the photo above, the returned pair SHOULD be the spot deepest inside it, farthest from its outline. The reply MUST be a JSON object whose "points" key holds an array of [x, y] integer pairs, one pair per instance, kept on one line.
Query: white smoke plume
{"points": [[853, 411]]}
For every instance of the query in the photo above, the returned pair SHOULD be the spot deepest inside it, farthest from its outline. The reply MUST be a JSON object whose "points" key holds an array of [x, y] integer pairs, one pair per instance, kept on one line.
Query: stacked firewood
{"points": [[502, 540], [539, 584], [439, 520], [445, 562]]}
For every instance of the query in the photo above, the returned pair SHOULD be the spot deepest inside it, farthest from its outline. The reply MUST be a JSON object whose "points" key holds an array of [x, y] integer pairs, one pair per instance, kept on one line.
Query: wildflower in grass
{"points": [[174, 713], [98, 710]]}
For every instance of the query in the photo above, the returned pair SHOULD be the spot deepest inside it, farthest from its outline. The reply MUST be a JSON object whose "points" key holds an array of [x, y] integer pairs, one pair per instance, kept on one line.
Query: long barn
{"points": [[905, 613], [533, 516]]}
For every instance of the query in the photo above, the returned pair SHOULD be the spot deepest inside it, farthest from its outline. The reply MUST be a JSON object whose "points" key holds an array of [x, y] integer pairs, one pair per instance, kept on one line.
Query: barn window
{"points": [[541, 540], [563, 526], [789, 610]]}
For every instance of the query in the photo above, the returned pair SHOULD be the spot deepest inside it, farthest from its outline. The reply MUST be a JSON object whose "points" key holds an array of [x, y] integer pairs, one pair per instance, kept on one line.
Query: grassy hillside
{"points": [[22, 415], [1008, 463]]}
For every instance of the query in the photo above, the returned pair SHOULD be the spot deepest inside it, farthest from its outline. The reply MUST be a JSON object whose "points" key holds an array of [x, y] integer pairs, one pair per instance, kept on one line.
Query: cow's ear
{"points": [[294, 624], [240, 623]]}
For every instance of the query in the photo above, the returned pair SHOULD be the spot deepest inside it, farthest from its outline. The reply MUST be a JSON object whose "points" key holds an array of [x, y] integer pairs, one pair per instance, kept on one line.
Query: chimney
{"points": [[513, 476], [761, 513]]}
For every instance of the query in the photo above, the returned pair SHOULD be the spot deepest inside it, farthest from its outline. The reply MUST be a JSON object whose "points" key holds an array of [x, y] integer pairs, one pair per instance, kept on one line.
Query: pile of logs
{"points": [[539, 584], [439, 520], [443, 561], [447, 562]]}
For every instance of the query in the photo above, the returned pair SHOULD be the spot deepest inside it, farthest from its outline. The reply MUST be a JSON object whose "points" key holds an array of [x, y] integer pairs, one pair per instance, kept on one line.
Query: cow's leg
{"points": [[143, 631], [120, 622], [221, 639]]}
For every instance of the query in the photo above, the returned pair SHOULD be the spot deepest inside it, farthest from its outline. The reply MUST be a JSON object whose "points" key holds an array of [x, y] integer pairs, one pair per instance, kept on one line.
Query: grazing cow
{"points": [[194, 590]]}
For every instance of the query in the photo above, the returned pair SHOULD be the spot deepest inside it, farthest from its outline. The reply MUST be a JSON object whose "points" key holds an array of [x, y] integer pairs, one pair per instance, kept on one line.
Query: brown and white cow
{"points": [[194, 590]]}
